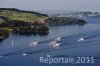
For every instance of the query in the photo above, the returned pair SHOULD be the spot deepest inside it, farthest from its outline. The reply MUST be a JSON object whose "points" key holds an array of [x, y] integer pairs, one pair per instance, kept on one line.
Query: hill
{"points": [[21, 15], [56, 21], [22, 22]]}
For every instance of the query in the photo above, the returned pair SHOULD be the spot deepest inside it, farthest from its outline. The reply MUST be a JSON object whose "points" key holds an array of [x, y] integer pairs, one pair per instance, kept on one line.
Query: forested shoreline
{"points": [[30, 22], [22, 22]]}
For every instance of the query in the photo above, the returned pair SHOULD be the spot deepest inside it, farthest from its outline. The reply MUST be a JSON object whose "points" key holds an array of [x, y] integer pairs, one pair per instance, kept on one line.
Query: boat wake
{"points": [[67, 42]]}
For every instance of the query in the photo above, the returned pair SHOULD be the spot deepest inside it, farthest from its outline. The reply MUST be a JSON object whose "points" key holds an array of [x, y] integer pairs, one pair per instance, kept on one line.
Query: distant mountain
{"points": [[58, 11], [66, 12]]}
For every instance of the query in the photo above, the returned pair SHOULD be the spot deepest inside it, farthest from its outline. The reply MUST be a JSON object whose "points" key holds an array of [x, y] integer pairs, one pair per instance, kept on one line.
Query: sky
{"points": [[83, 5]]}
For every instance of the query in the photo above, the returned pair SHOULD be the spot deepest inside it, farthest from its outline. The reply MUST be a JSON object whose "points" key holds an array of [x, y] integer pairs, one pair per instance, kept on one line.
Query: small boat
{"points": [[56, 45], [52, 43], [48, 55], [81, 40], [34, 43], [58, 39], [30, 45], [24, 54]]}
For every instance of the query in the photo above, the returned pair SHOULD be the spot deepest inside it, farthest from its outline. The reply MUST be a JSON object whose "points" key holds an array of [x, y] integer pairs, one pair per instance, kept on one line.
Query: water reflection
{"points": [[69, 44], [30, 34]]}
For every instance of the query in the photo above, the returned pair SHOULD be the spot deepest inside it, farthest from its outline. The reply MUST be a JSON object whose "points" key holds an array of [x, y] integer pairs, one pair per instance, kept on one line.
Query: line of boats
{"points": [[56, 42]]}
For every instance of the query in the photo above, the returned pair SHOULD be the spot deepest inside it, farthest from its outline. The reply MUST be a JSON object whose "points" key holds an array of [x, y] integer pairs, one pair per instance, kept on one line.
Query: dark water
{"points": [[12, 54]]}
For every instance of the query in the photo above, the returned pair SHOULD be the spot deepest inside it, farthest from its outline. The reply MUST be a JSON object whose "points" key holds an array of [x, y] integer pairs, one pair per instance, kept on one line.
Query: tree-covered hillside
{"points": [[22, 22], [64, 21]]}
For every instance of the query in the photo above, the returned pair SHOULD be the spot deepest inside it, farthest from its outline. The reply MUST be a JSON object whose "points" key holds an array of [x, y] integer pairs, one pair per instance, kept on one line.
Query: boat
{"points": [[58, 39], [34, 43], [48, 55], [52, 43], [30, 45], [56, 45], [81, 40], [24, 54]]}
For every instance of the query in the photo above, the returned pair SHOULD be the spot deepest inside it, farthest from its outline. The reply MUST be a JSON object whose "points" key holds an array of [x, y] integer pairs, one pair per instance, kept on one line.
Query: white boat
{"points": [[34, 43], [58, 39], [56, 45], [81, 40], [52, 43], [24, 54], [30, 45], [48, 55]]}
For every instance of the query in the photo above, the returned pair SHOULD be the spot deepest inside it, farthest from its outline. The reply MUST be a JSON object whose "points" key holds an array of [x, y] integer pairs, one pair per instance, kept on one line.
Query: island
{"points": [[56, 21]]}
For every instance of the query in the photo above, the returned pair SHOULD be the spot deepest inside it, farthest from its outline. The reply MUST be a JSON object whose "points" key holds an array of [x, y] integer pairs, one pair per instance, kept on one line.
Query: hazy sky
{"points": [[87, 5]]}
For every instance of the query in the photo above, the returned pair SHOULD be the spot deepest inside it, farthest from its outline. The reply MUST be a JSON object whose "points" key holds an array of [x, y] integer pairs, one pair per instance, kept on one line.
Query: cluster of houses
{"points": [[79, 15]]}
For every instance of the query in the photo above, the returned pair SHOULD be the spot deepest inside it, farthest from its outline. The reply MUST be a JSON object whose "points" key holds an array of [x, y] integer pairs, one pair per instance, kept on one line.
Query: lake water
{"points": [[12, 48]]}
